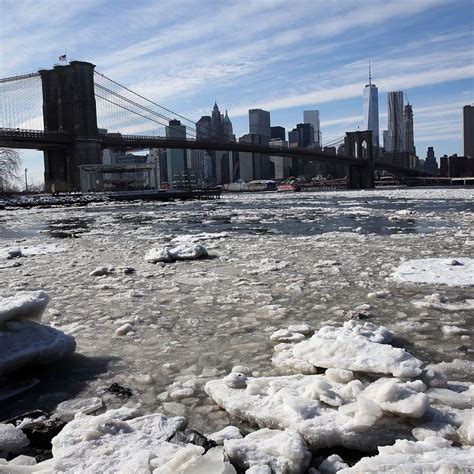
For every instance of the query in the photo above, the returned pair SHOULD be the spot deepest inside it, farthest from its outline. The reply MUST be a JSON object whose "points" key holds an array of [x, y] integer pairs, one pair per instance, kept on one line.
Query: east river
{"points": [[278, 259]]}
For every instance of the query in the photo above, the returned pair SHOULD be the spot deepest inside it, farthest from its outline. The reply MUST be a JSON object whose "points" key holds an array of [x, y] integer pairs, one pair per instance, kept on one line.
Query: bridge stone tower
{"points": [[359, 145], [69, 106]]}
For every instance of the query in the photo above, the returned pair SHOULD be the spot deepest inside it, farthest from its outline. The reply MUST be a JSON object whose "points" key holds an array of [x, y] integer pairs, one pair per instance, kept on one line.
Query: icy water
{"points": [[279, 259]]}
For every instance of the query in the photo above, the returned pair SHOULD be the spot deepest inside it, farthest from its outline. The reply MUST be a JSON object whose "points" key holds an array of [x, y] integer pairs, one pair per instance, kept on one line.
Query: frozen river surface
{"points": [[280, 259]]}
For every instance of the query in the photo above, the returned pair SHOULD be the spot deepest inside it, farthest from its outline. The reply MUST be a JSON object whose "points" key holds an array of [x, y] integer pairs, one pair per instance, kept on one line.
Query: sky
{"points": [[281, 56]]}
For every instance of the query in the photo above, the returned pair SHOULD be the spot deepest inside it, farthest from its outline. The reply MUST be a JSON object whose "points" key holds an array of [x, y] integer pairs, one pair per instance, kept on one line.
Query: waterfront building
{"points": [[281, 164], [278, 133], [396, 128], [312, 117], [177, 169], [456, 166], [254, 165], [371, 109], [259, 123], [468, 130]]}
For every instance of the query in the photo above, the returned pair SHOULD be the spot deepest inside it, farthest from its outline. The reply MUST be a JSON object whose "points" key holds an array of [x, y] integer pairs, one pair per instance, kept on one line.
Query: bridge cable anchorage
{"points": [[158, 105], [153, 112]]}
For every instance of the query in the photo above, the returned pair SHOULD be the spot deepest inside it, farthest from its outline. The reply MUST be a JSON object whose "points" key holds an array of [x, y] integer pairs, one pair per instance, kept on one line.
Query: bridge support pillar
{"points": [[359, 145], [69, 106]]}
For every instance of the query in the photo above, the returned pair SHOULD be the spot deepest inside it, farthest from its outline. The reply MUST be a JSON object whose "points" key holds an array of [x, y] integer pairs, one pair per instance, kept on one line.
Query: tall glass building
{"points": [[312, 117], [396, 124], [371, 110]]}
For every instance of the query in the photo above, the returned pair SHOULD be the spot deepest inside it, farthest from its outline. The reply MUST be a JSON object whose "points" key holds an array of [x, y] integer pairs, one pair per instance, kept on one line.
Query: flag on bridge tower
{"points": [[62, 57]]}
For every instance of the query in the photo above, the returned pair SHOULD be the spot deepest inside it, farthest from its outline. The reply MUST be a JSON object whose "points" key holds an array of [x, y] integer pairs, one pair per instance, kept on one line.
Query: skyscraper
{"points": [[312, 117], [306, 134], [468, 130], [430, 163], [259, 123], [371, 109], [396, 128], [409, 134], [278, 133], [176, 159]]}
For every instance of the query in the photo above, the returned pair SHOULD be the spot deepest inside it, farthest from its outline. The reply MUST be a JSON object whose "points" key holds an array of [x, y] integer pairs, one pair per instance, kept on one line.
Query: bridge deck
{"points": [[40, 139]]}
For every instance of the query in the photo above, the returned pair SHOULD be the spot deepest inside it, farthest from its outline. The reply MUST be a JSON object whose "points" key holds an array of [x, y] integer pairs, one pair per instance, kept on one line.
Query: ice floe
{"points": [[282, 451], [437, 271], [432, 455], [355, 346], [23, 306], [181, 252], [23, 341]]}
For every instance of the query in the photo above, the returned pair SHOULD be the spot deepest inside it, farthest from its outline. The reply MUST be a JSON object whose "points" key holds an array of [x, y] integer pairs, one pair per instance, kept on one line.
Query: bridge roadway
{"points": [[39, 139]]}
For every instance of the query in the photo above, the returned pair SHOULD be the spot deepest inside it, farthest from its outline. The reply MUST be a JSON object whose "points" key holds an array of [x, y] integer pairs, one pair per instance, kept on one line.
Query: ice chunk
{"points": [[67, 409], [332, 464], [212, 462], [284, 335], [181, 252], [12, 439], [308, 404], [451, 398], [229, 432], [23, 306], [236, 380], [283, 451], [27, 342], [437, 271], [102, 271], [431, 455], [353, 347], [107, 443], [124, 329], [432, 429], [466, 431], [396, 397]]}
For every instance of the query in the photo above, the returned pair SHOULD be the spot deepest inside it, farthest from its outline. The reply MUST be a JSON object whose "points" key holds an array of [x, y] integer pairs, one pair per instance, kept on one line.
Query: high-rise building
{"points": [[176, 159], [306, 134], [431, 164], [278, 133], [201, 162], [228, 129], [396, 128], [371, 109], [214, 167], [409, 133], [281, 164], [312, 117], [259, 123], [254, 165], [468, 130]]}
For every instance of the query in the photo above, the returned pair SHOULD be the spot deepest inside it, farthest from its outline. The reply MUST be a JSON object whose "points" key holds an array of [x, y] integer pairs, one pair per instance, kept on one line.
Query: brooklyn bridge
{"points": [[72, 112]]}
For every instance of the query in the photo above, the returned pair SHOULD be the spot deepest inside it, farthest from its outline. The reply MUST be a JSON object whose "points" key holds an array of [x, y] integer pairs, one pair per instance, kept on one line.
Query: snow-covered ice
{"points": [[355, 346], [282, 451], [437, 271], [181, 252], [23, 306], [26, 342], [432, 455]]}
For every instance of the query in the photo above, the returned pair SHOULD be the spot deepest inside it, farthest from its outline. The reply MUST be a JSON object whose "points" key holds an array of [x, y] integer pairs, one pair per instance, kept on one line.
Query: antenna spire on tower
{"points": [[370, 74]]}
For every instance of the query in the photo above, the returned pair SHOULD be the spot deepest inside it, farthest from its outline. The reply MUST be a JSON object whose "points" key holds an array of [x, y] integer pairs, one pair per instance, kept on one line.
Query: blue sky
{"points": [[279, 55]]}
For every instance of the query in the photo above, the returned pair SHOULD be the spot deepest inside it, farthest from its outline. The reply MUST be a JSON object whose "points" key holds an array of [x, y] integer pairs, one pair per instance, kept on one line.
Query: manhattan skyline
{"points": [[312, 59]]}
